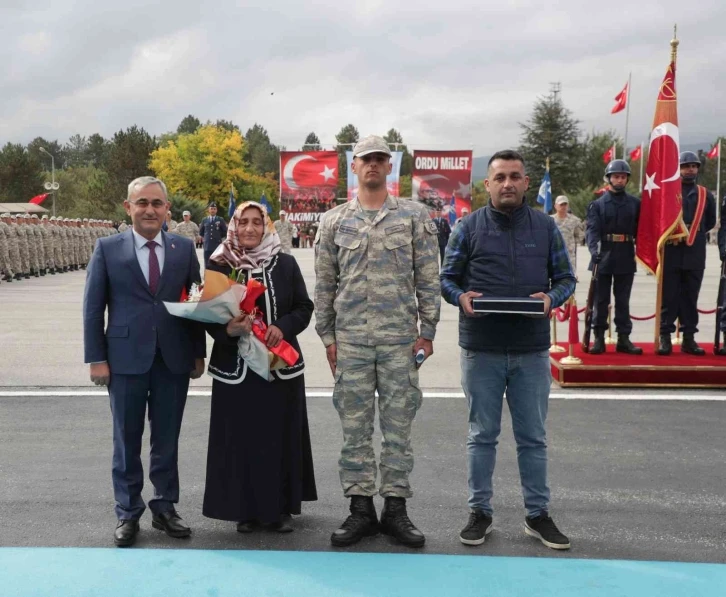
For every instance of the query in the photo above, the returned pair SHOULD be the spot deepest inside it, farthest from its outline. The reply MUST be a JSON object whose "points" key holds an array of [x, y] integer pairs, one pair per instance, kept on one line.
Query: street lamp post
{"points": [[51, 186]]}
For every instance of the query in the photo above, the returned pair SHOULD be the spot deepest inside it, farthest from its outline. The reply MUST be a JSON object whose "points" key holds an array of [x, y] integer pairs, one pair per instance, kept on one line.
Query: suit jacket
{"points": [[213, 231], [137, 319]]}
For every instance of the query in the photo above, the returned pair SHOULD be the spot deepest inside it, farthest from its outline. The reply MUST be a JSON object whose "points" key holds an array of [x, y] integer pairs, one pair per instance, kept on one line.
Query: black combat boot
{"points": [[689, 346], [664, 345], [720, 351], [362, 522], [625, 345], [52, 271], [27, 276], [36, 273], [396, 523], [598, 346], [18, 276], [42, 272]]}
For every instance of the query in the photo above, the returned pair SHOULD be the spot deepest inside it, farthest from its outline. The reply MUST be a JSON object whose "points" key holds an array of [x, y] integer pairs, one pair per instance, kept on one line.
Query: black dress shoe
{"points": [[247, 526], [126, 531], [665, 346], [171, 523], [690, 346], [284, 526]]}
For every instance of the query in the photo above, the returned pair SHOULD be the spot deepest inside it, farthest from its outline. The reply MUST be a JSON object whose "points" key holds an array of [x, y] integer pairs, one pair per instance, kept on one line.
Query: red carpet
{"points": [[648, 370]]}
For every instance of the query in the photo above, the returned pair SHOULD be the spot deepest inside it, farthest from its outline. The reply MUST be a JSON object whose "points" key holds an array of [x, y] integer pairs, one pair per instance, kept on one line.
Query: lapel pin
{"points": [[172, 246]]}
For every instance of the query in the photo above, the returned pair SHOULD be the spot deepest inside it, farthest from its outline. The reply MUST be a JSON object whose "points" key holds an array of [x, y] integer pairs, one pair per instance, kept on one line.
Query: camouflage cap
{"points": [[13, 217], [561, 199], [26, 216], [85, 219], [44, 217], [7, 215], [34, 217], [186, 213], [371, 144]]}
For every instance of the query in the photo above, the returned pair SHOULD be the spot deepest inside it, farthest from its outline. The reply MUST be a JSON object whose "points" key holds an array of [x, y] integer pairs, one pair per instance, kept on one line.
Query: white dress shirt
{"points": [[142, 253]]}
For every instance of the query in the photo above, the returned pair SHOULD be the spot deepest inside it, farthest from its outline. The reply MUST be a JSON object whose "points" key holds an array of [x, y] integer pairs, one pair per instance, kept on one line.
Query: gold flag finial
{"points": [[674, 43]]}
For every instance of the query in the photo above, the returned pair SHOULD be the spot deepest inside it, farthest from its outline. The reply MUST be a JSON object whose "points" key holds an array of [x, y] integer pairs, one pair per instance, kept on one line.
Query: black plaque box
{"points": [[512, 306]]}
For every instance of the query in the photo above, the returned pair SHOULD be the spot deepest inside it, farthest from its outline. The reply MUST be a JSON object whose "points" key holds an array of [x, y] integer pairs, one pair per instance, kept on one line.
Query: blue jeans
{"points": [[525, 378]]}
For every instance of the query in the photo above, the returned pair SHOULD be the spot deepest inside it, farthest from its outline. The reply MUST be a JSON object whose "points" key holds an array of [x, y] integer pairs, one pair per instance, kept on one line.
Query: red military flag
{"points": [[38, 199], [660, 208], [715, 151], [609, 155], [621, 101], [636, 154]]}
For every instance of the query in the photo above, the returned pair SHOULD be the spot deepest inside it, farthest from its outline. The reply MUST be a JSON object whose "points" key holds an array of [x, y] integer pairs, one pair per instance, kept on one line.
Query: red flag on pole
{"points": [[609, 155], [636, 154], [660, 208], [621, 101], [38, 199], [713, 154]]}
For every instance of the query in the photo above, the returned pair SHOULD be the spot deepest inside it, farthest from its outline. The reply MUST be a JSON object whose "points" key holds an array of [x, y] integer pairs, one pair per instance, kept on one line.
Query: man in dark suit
{"points": [[213, 231], [145, 356]]}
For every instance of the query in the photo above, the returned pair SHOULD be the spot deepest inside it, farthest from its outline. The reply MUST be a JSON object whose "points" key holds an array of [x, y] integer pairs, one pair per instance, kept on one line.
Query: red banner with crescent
{"points": [[440, 175], [660, 208], [308, 184]]}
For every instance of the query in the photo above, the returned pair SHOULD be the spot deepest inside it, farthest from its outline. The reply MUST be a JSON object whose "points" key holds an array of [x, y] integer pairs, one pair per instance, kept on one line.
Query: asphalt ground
{"points": [[635, 475]]}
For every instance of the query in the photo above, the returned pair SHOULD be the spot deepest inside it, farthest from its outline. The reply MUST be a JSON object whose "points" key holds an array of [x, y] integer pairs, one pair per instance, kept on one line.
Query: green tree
{"points": [[227, 125], [21, 174], [53, 147], [312, 143], [479, 195], [97, 151], [261, 154], [128, 158], [707, 174], [551, 132], [181, 203], [395, 140], [75, 152], [346, 138], [404, 189], [189, 124], [84, 193]]}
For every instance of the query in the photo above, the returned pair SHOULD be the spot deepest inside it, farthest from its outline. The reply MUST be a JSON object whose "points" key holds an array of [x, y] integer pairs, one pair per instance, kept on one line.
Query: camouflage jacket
{"points": [[572, 230], [377, 280]]}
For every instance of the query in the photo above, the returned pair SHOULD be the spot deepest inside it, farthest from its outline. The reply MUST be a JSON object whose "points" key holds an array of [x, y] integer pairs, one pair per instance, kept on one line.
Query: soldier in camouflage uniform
{"points": [[6, 261], [377, 281], [55, 230], [186, 228], [571, 228], [24, 222], [23, 242], [13, 245], [38, 241], [284, 231], [47, 244]]}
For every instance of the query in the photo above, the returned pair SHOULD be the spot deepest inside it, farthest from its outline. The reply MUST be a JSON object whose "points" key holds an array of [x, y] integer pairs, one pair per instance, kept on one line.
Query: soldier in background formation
{"points": [[32, 246], [187, 228], [571, 228], [284, 231]]}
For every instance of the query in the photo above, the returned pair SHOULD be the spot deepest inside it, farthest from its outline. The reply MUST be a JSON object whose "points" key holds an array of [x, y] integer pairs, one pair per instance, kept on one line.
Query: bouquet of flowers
{"points": [[219, 299]]}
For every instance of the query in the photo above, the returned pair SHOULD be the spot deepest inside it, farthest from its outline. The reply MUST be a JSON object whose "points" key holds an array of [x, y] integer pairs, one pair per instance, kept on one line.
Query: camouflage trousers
{"points": [[360, 371]]}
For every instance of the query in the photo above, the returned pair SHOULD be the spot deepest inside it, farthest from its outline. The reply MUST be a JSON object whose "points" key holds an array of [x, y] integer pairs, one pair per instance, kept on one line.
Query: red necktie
{"points": [[153, 267]]}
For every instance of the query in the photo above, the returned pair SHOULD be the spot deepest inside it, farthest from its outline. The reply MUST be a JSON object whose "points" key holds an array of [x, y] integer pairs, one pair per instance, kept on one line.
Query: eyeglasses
{"points": [[144, 203]]}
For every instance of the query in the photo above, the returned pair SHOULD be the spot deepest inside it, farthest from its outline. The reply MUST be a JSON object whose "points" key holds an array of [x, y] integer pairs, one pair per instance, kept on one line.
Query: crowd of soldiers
{"points": [[33, 246]]}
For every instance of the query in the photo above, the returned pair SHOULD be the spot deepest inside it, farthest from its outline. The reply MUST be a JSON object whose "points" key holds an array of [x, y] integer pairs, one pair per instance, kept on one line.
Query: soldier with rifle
{"points": [[612, 223], [720, 311]]}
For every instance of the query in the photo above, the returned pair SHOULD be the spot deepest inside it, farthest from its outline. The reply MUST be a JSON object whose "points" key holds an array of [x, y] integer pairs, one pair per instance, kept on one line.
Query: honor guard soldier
{"points": [[684, 261], [213, 231], [612, 223], [443, 232], [721, 350]]}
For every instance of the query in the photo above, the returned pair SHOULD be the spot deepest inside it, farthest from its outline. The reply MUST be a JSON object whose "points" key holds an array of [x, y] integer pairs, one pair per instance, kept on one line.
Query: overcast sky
{"points": [[450, 74]]}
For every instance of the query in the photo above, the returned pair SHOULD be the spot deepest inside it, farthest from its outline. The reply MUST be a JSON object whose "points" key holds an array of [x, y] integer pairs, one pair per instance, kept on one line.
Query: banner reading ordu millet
{"points": [[440, 175], [308, 182], [392, 180]]}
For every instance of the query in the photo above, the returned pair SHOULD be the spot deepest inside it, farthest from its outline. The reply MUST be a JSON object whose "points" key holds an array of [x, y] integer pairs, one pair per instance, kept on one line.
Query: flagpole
{"points": [[661, 250], [627, 117], [718, 183], [642, 159]]}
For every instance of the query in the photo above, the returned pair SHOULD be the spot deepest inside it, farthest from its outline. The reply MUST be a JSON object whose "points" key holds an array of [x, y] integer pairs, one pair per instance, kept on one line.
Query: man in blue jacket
{"points": [[213, 231], [145, 356], [507, 249]]}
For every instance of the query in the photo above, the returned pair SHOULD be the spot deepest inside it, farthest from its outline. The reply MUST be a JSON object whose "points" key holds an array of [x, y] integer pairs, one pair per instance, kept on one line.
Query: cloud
{"points": [[445, 74]]}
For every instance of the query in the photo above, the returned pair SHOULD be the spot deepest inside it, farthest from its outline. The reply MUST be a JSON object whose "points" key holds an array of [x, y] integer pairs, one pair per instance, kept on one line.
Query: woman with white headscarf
{"points": [[259, 463]]}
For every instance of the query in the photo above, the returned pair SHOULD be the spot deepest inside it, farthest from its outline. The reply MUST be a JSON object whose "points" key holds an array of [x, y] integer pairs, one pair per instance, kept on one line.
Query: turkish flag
{"points": [[621, 100], [660, 208], [713, 154], [38, 199], [636, 154], [307, 170], [609, 155], [602, 190]]}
